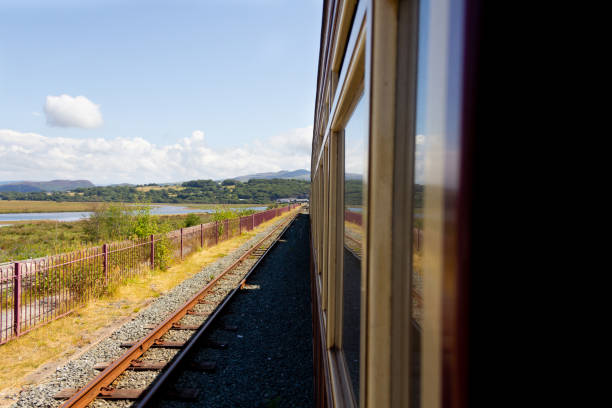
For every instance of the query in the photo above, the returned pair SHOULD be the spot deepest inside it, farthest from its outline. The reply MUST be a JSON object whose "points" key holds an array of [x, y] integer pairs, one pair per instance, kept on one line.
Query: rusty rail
{"points": [[100, 383], [161, 381]]}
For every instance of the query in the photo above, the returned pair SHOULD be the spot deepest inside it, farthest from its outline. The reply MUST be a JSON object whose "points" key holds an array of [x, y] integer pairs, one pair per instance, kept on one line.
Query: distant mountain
{"points": [[38, 186], [20, 188], [283, 174]]}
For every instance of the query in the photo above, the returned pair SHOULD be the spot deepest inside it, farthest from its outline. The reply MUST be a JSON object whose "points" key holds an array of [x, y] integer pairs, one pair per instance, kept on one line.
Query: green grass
{"points": [[24, 206], [18, 206], [42, 238], [57, 341], [34, 239]]}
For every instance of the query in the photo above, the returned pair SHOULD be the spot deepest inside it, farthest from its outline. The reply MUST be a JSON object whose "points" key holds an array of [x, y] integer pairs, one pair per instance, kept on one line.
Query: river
{"points": [[75, 216]]}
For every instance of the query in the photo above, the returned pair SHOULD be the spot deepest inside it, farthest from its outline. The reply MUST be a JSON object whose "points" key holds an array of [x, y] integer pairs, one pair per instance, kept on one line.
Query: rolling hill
{"points": [[40, 186]]}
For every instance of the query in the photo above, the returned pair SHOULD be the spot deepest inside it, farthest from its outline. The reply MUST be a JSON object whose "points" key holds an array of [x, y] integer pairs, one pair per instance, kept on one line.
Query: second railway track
{"points": [[141, 371]]}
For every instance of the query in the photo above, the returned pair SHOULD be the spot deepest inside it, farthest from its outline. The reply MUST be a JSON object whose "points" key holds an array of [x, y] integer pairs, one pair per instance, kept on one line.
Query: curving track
{"points": [[142, 370]]}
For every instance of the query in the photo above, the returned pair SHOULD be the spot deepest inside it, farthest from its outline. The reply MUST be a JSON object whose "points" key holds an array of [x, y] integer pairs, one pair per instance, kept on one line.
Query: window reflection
{"points": [[355, 143], [418, 201]]}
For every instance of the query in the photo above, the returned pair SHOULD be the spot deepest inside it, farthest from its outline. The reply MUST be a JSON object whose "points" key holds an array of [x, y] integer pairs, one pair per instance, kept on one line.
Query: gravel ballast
{"points": [[268, 360], [79, 371]]}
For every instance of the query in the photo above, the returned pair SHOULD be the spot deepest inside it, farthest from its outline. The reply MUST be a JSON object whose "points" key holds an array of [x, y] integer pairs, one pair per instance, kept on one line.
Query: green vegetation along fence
{"points": [[35, 292]]}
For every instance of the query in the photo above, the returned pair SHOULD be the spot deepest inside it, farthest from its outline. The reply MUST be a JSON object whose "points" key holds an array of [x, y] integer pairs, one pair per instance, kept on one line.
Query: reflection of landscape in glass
{"points": [[353, 238], [417, 254], [418, 201], [353, 222], [355, 141], [417, 225], [353, 193]]}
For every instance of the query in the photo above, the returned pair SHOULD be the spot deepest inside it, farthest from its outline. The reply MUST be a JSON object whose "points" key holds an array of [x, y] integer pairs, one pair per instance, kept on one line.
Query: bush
{"points": [[163, 253], [112, 222], [192, 219], [143, 224], [109, 222], [220, 214], [244, 213]]}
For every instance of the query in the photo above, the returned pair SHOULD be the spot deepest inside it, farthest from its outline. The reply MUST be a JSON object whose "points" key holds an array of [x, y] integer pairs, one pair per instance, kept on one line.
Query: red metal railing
{"points": [[352, 216], [37, 291]]}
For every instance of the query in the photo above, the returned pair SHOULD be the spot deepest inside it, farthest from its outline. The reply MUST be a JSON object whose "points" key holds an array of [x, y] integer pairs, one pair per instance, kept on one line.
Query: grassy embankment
{"points": [[18, 206], [33, 239], [42, 238], [29, 358]]}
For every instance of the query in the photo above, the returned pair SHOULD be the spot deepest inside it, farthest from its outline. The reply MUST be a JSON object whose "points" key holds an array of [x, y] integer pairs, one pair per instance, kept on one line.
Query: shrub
{"points": [[163, 253], [143, 224], [109, 222], [192, 219], [221, 214]]}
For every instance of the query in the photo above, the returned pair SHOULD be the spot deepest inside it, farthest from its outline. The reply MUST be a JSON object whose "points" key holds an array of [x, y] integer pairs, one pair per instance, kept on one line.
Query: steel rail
{"points": [[91, 390], [162, 380]]}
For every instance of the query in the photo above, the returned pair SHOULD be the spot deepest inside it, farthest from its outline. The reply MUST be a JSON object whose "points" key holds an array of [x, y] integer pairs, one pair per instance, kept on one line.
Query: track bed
{"points": [[80, 370], [268, 360]]}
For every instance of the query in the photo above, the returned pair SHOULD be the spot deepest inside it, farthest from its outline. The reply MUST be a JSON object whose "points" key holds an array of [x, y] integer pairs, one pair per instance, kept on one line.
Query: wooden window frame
{"points": [[351, 84], [325, 226], [403, 188], [388, 82]]}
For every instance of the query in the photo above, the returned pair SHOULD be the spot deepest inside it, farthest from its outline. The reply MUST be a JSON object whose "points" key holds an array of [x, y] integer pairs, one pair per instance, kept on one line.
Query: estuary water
{"points": [[79, 215]]}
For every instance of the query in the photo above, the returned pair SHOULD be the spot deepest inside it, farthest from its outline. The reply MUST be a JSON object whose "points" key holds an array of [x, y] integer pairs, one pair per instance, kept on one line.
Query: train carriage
{"points": [[391, 202]]}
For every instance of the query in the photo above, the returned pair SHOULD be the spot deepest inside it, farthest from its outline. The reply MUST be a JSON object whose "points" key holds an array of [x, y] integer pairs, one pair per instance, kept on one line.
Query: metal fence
{"points": [[36, 291]]}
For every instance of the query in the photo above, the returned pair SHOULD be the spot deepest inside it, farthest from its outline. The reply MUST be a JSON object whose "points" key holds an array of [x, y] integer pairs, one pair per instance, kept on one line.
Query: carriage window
{"points": [[418, 201], [355, 145]]}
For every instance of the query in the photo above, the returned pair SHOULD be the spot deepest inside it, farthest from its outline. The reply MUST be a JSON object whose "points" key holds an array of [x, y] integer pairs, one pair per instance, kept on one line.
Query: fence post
{"points": [[240, 223], [181, 243], [216, 233], [152, 252], [252, 221], [105, 263], [201, 235], [17, 300]]}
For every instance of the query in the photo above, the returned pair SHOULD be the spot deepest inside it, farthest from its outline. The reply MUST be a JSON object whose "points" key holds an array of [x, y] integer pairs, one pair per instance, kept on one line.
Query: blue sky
{"points": [[232, 79]]}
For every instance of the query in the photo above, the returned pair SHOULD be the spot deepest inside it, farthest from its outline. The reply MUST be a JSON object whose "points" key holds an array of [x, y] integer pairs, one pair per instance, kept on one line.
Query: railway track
{"points": [[160, 353]]}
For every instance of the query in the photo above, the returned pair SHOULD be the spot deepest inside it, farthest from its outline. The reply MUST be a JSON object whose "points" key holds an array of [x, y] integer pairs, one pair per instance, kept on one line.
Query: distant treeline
{"points": [[254, 191]]}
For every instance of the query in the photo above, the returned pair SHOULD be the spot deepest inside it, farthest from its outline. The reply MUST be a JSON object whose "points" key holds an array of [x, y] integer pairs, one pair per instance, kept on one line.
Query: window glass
{"points": [[353, 14], [418, 205], [355, 150]]}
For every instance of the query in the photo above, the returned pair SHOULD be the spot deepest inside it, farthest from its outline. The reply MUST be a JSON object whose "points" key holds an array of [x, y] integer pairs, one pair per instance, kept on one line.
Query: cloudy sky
{"points": [[156, 91]]}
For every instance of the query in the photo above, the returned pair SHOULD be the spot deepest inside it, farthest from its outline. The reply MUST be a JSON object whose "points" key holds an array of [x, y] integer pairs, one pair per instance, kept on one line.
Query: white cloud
{"points": [[31, 156], [68, 111], [355, 155]]}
